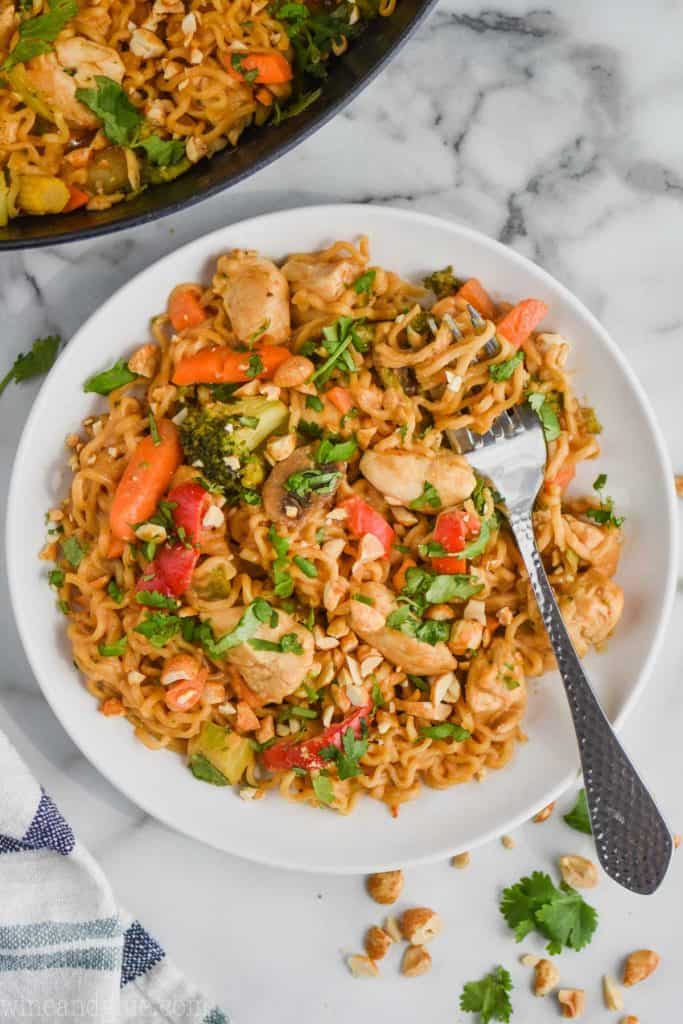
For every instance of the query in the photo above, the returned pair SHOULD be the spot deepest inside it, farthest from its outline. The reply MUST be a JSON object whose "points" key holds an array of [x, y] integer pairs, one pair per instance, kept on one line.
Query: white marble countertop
{"points": [[559, 132]]}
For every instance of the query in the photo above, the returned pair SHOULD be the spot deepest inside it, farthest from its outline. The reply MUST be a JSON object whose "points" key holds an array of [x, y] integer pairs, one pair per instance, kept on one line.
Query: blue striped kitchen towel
{"points": [[67, 952]]}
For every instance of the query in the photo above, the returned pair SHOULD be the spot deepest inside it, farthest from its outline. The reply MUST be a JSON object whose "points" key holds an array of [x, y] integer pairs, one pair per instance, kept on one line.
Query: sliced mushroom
{"points": [[256, 297], [403, 476], [406, 652], [282, 505], [271, 675]]}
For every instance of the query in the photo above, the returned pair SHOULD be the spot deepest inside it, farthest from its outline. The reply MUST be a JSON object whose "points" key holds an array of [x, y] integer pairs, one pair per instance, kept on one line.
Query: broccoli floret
{"points": [[442, 282], [220, 440]]}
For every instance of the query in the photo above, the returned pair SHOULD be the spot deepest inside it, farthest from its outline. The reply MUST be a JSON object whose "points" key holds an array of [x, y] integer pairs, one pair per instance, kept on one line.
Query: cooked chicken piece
{"points": [[282, 506], [496, 689], [408, 653], [49, 77], [8, 19], [403, 476], [592, 609], [256, 297], [326, 279], [87, 59], [599, 546], [271, 675]]}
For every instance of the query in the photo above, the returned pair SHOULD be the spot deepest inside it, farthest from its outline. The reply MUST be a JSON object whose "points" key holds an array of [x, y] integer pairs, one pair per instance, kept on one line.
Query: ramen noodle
{"points": [[99, 100], [272, 561]]}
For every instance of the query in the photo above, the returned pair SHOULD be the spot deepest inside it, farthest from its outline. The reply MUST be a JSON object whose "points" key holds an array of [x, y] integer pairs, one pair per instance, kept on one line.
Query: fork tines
{"points": [[510, 423]]}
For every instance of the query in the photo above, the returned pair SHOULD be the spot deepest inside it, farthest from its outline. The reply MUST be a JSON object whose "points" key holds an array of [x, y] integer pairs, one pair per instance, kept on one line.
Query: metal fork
{"points": [[633, 842]]}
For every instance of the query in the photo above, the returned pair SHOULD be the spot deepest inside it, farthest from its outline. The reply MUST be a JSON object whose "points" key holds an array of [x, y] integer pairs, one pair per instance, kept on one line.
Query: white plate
{"points": [[273, 831]]}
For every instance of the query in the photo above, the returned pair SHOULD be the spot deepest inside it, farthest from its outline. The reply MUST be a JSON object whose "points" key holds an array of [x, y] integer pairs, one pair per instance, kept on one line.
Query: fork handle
{"points": [[633, 842]]}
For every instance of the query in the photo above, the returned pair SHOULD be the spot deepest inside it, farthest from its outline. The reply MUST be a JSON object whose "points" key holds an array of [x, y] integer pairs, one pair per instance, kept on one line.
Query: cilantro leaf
{"points": [[159, 628], [306, 566], [429, 496], [337, 338], [255, 365], [254, 615], [455, 587], [478, 546], [113, 650], [561, 915], [297, 106], [312, 481], [490, 997], [36, 35], [445, 731], [124, 125], [115, 592], [110, 380], [504, 370], [39, 360], [332, 450], [544, 407], [521, 902], [56, 578], [73, 551], [567, 921], [121, 120], [155, 599], [347, 758], [203, 770], [162, 152], [365, 282], [578, 818], [322, 787]]}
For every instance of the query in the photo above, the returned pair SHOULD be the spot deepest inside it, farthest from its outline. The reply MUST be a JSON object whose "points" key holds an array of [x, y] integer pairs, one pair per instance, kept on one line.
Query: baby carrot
{"points": [[145, 480], [226, 366]]}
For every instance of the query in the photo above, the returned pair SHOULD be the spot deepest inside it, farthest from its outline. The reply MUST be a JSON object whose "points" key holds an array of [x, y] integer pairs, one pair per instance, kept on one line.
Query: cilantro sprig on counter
{"points": [[560, 914], [39, 360], [578, 818], [489, 997]]}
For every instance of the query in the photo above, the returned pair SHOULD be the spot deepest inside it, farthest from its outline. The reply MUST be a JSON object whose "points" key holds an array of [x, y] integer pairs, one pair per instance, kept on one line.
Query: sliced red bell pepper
{"points": [[452, 530], [192, 503], [364, 519], [306, 754], [170, 572]]}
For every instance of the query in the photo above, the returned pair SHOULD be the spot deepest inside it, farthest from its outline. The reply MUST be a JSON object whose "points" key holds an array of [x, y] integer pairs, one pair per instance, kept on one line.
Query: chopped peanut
{"points": [[678, 482], [416, 961], [639, 966], [544, 813], [508, 842], [377, 942], [529, 959], [246, 720], [362, 966], [461, 860], [579, 872], [612, 993], [546, 977], [145, 360], [385, 886], [572, 1001], [420, 924], [677, 840], [630, 1019], [393, 930]]}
